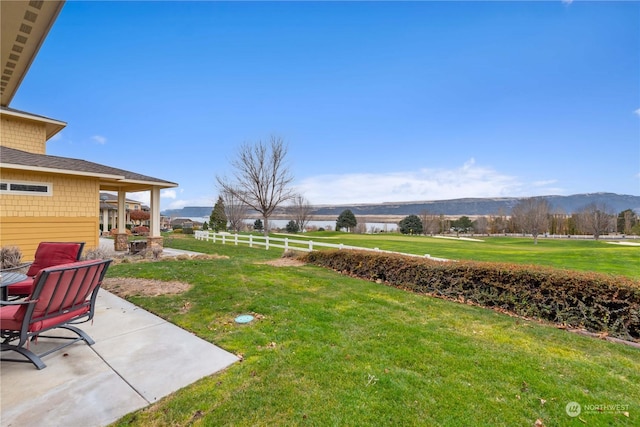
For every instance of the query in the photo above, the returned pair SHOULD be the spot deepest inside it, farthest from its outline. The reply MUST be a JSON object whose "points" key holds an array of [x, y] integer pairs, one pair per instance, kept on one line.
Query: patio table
{"points": [[9, 278]]}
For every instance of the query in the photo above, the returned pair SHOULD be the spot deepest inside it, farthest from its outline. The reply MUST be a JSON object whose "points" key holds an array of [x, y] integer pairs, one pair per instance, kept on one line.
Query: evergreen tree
{"points": [[218, 219], [462, 224], [346, 220], [292, 227], [410, 225], [258, 225]]}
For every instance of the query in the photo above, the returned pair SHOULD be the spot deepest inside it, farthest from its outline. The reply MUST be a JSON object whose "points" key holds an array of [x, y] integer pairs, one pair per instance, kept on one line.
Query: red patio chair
{"points": [[62, 296], [48, 254]]}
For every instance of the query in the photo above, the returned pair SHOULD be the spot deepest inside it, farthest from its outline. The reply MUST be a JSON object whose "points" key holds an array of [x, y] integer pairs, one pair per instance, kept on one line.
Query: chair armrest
{"points": [[13, 302], [17, 267]]}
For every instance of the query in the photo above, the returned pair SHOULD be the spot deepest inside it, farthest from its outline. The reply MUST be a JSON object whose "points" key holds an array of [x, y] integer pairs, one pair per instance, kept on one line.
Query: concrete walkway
{"points": [[137, 359]]}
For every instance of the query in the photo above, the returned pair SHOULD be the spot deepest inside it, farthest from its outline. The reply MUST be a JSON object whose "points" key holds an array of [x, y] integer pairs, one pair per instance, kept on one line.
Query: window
{"points": [[26, 188]]}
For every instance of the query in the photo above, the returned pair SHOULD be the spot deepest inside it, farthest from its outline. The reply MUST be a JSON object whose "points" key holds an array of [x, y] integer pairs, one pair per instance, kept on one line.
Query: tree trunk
{"points": [[265, 227]]}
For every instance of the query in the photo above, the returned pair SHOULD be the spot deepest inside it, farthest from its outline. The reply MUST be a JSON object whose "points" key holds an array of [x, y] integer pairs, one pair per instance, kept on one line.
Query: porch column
{"points": [[121, 242], [105, 221], [155, 238]]}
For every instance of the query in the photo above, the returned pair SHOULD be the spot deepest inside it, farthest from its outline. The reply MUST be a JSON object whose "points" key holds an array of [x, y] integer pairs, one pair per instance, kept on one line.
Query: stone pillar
{"points": [[154, 242], [121, 242]]}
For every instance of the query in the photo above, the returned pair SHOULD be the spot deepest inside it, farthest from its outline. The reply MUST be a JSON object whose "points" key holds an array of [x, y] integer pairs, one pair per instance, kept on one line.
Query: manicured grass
{"points": [[333, 350], [572, 254]]}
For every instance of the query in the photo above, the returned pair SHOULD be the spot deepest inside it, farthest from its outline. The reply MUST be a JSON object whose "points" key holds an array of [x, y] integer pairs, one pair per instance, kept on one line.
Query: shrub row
{"points": [[596, 302]]}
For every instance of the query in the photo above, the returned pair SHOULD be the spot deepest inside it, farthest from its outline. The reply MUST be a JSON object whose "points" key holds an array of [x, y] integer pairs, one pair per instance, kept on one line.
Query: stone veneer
{"points": [[121, 242]]}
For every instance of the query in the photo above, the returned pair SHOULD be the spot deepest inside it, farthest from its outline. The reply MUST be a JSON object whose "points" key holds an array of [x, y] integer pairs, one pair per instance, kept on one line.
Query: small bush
{"points": [[141, 230], [597, 302], [96, 253], [10, 256], [291, 254]]}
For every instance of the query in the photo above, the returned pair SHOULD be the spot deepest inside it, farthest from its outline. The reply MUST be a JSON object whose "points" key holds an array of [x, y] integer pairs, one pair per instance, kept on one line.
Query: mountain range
{"points": [[614, 203]]}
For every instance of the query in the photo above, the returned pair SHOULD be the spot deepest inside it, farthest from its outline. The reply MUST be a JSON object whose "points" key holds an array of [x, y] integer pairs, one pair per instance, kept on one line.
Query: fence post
{"points": [[286, 244], [266, 244], [310, 245], [250, 240], [224, 239], [235, 239], [341, 246], [214, 236]]}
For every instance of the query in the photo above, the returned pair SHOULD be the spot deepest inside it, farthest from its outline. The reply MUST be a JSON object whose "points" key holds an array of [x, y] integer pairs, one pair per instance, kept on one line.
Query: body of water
{"points": [[372, 227]]}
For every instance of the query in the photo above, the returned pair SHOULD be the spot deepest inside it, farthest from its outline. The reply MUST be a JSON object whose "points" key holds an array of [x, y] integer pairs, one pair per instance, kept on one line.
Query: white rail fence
{"points": [[287, 243]]}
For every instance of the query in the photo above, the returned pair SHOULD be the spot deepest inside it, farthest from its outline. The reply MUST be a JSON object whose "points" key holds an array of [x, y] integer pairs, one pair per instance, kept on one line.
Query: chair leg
{"points": [[82, 334], [36, 358], [33, 358]]}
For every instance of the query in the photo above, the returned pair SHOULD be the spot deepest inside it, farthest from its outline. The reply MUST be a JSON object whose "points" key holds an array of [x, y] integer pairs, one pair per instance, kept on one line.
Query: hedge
{"points": [[596, 302]]}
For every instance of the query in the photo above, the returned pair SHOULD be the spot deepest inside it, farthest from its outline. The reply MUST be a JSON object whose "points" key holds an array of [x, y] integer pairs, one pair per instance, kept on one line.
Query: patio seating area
{"points": [[137, 359]]}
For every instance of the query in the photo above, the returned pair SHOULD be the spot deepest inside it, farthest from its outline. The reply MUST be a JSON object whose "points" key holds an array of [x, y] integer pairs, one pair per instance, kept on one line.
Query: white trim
{"points": [[32, 117], [10, 191], [62, 171]]}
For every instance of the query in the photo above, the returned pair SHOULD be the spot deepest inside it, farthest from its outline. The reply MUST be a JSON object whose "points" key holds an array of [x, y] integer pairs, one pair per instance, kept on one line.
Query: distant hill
{"points": [[469, 206]]}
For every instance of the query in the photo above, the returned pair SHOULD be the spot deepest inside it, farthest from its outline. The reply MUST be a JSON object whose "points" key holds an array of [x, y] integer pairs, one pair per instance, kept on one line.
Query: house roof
{"points": [[112, 179], [25, 25], [52, 126]]}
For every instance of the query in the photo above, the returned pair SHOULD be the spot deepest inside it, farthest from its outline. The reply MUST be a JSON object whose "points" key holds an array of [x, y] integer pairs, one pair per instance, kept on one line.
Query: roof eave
{"points": [[12, 16], [52, 126], [109, 179], [61, 171]]}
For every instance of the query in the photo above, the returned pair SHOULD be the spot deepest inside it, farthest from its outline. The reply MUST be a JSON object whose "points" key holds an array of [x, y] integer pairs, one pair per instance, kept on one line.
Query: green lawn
{"points": [[573, 254], [333, 350]]}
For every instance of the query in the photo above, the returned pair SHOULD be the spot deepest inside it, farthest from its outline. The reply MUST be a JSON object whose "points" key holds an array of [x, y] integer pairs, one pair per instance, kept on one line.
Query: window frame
{"points": [[10, 191]]}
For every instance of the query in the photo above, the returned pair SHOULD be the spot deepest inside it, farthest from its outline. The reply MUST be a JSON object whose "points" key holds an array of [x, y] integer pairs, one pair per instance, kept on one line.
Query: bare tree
{"points": [[481, 225], [235, 209], [262, 178], [531, 216], [430, 223], [301, 211], [499, 222], [595, 219]]}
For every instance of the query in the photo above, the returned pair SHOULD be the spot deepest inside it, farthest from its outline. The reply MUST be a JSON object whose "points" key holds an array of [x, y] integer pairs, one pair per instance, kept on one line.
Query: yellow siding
{"points": [[26, 233], [72, 196], [70, 214], [23, 135]]}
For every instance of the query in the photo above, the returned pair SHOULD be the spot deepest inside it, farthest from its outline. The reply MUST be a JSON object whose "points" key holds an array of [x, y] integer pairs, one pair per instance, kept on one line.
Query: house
{"points": [[44, 197], [109, 211]]}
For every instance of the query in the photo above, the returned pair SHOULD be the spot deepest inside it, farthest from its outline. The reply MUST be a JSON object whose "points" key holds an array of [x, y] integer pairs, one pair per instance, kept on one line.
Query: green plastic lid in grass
{"points": [[244, 318]]}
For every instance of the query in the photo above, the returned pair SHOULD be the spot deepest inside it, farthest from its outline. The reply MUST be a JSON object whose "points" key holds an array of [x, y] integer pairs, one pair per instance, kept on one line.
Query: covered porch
{"points": [[121, 187]]}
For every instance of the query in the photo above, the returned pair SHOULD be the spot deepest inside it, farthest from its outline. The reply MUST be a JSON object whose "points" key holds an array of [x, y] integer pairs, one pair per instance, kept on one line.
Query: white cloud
{"points": [[637, 112], [143, 197], [567, 2], [181, 203], [169, 194], [99, 139], [469, 180]]}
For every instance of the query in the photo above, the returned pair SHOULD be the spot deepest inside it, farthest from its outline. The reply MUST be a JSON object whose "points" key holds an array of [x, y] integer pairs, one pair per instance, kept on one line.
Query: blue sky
{"points": [[377, 101]]}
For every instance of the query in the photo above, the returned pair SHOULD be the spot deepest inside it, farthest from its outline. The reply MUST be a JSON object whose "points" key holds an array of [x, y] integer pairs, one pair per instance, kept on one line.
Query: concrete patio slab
{"points": [[137, 359]]}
